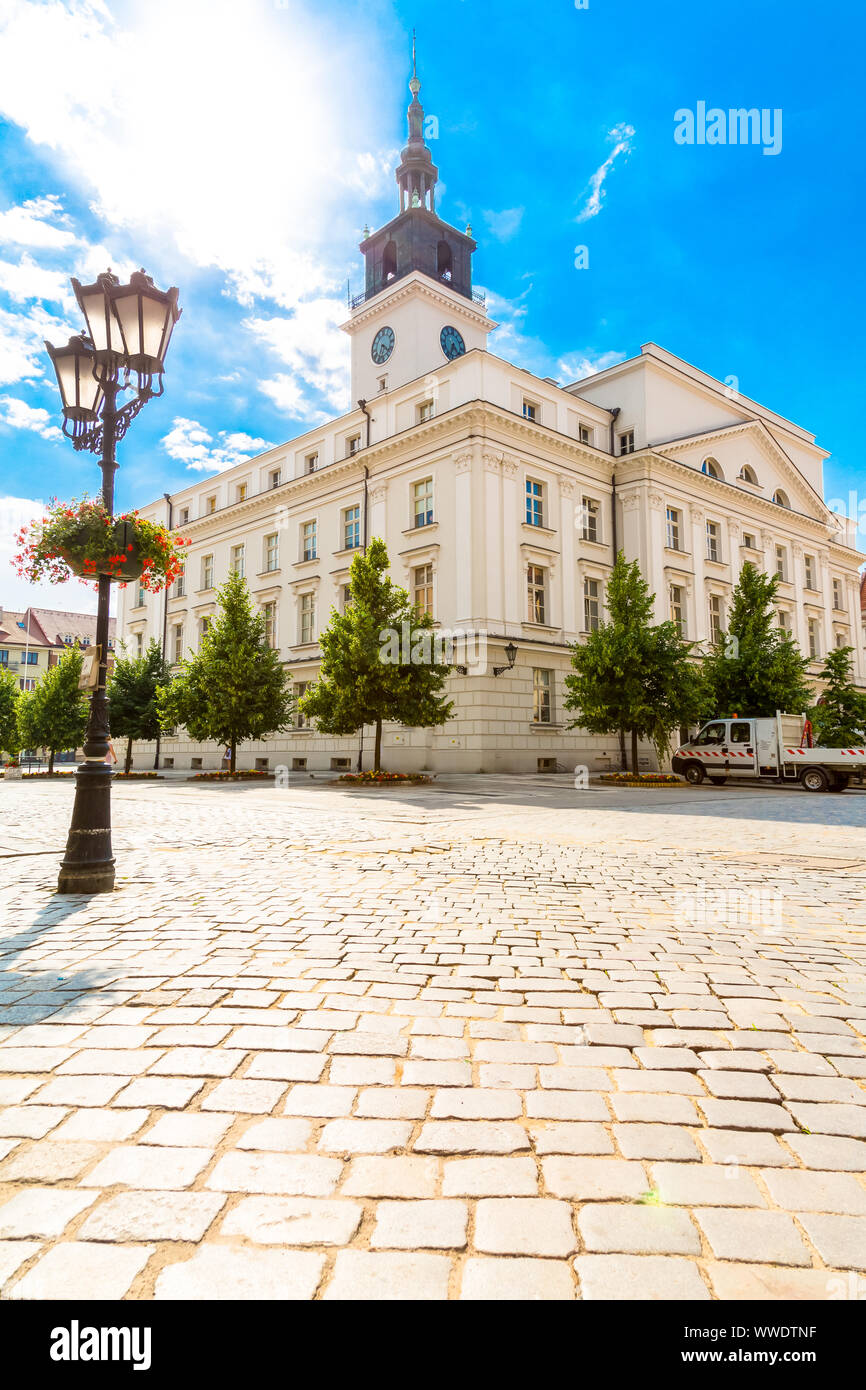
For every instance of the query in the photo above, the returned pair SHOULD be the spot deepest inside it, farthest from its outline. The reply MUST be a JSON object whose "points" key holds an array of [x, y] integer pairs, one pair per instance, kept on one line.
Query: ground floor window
{"points": [[542, 685]]}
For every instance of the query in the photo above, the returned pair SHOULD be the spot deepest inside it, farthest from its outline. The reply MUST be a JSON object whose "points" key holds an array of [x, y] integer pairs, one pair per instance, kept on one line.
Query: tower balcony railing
{"points": [[356, 300]]}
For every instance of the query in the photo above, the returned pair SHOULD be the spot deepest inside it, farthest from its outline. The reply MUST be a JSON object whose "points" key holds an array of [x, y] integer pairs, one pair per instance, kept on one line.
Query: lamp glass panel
{"points": [[155, 314], [104, 340], [126, 308]]}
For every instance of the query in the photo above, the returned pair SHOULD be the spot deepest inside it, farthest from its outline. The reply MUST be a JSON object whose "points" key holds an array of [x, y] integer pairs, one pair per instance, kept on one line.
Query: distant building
{"points": [[33, 641]]}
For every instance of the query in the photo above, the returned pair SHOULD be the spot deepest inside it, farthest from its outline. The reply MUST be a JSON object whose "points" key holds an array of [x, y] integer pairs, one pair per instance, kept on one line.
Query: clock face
{"points": [[452, 343], [383, 346]]}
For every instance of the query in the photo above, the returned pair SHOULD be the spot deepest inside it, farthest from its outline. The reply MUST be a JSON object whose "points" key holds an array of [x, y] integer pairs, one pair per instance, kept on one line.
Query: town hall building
{"points": [[503, 499]]}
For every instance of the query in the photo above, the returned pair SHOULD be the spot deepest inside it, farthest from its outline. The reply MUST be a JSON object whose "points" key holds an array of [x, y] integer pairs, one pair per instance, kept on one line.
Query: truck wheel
{"points": [[815, 779], [718, 781], [694, 774], [840, 782]]}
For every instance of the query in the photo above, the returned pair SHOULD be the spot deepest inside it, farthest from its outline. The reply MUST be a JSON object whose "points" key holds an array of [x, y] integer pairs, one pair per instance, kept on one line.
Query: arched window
{"points": [[443, 260], [781, 498], [748, 475], [389, 262], [711, 468]]}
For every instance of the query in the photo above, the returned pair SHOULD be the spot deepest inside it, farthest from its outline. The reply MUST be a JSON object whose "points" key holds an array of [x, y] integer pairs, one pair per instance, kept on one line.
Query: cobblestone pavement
{"points": [[495, 1038]]}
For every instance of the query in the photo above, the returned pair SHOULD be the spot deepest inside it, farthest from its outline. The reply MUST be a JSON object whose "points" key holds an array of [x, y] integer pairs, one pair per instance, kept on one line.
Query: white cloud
{"points": [[310, 344], [195, 446], [17, 594], [622, 136], [579, 365], [21, 416], [505, 224], [22, 350], [40, 222], [27, 280]]}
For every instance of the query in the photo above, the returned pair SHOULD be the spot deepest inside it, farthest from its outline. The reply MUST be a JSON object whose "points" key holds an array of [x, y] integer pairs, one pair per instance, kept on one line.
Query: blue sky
{"points": [[236, 150]]}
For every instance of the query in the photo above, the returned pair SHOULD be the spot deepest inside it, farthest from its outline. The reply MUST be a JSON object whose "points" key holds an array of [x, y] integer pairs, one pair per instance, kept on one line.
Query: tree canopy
{"points": [[755, 668], [132, 692], [53, 714]]}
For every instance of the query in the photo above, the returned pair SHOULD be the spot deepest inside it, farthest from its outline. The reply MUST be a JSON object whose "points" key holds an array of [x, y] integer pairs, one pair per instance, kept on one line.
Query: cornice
{"points": [[408, 288]]}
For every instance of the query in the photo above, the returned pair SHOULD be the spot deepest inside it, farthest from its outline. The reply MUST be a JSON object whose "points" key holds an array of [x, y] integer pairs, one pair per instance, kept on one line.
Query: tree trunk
{"points": [[634, 766], [127, 766], [51, 760], [233, 764], [623, 760], [378, 759]]}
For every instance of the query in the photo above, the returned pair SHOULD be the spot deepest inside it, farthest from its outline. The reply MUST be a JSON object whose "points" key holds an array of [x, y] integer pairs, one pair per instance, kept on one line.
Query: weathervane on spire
{"points": [[414, 85]]}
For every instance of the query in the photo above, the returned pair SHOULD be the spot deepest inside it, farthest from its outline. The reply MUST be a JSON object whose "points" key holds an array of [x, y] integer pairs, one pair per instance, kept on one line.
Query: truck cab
{"points": [[726, 748]]}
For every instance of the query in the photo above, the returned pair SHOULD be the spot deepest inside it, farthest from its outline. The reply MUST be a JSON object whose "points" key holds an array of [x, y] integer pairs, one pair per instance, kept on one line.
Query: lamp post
{"points": [[129, 328], [510, 656]]}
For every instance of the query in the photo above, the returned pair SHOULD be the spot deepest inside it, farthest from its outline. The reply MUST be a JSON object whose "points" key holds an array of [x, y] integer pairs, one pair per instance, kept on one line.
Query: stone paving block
{"points": [[351, 1136], [277, 1135], [735, 1085], [839, 1240], [779, 1285], [102, 1126], [285, 1066], [654, 1109], [403, 1176], [658, 1278], [746, 1114], [849, 1121], [48, 1160], [677, 1083], [566, 1105], [30, 1121], [293, 1221], [153, 1216], [595, 1179], [292, 1175], [417, 1073], [523, 1226], [361, 1043], [198, 1061], [187, 1131], [819, 1088], [667, 1059], [571, 1138], [799, 1191], [749, 1148], [637, 1230], [420, 1225], [81, 1090], [322, 1101], [570, 1079], [111, 1061], [707, 1185], [245, 1097], [365, 1071], [42, 1212], [475, 1103], [471, 1136], [828, 1152], [490, 1177], [736, 1060], [800, 1063], [14, 1089], [162, 1092], [378, 1276], [655, 1141], [393, 1103], [93, 1271], [14, 1060], [14, 1254], [762, 1237], [517, 1280], [150, 1168], [231, 1273]]}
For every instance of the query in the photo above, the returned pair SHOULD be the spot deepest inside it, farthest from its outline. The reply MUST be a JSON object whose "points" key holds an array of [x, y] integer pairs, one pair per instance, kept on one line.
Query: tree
{"points": [[755, 668], [132, 691], [631, 675], [379, 659], [54, 714], [234, 688], [9, 696], [839, 718]]}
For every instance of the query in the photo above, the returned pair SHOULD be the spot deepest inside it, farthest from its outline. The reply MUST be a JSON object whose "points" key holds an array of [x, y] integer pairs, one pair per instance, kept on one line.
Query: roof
{"points": [[49, 627]]}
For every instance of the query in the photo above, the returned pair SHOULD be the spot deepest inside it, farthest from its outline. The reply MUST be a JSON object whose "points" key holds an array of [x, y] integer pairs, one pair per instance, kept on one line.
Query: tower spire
{"points": [[417, 174]]}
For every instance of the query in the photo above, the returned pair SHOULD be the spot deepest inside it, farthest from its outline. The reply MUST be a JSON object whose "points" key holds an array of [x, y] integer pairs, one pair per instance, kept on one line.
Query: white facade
{"points": [[502, 499]]}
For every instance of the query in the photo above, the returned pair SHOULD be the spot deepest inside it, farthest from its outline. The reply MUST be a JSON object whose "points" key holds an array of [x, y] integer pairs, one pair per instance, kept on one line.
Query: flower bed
{"points": [[81, 538], [135, 776], [641, 779], [251, 775], [381, 779]]}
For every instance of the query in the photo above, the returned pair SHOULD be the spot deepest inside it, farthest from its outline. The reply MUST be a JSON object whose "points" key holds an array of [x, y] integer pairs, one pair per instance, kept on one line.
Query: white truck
{"points": [[773, 750]]}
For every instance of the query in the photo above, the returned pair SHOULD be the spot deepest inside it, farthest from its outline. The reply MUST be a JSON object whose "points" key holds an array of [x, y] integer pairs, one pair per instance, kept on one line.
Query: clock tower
{"points": [[418, 310]]}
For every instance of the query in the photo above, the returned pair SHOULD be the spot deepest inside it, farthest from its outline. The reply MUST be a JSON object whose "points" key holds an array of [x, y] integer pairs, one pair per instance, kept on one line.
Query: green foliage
{"points": [[839, 719], [132, 691], [10, 742], [755, 669], [54, 714], [234, 688], [632, 675], [364, 676]]}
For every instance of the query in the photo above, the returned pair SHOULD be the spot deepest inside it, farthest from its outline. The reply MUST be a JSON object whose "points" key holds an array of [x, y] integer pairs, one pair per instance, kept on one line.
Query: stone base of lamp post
{"points": [[88, 865]]}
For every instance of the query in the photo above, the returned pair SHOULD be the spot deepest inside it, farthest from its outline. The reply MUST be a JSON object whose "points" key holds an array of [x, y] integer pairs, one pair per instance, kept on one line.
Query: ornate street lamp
{"points": [[129, 329], [510, 656]]}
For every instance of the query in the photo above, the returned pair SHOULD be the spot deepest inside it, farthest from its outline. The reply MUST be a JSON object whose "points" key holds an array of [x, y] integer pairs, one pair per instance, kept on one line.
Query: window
{"points": [[309, 540], [678, 608], [781, 498], [353, 444], [747, 474], [589, 512], [712, 734], [422, 589], [203, 626], [534, 503], [781, 562], [784, 620], [276, 477], [536, 586], [272, 552], [530, 410], [715, 617], [301, 721], [139, 595], [837, 593], [672, 528], [307, 625], [749, 540], [541, 706], [184, 516], [4, 658], [841, 640], [210, 506], [741, 731], [207, 571], [809, 568], [814, 638], [383, 383], [345, 597], [713, 537], [311, 463], [269, 613], [180, 585], [27, 683], [32, 658], [711, 468], [139, 643], [177, 644], [239, 562], [352, 528], [426, 411], [423, 495], [626, 442], [591, 605], [241, 493], [584, 434]]}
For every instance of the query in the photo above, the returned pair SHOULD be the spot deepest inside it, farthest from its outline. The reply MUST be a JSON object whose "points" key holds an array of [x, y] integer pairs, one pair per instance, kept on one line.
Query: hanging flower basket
{"points": [[81, 538]]}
